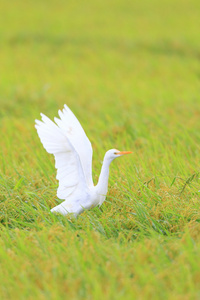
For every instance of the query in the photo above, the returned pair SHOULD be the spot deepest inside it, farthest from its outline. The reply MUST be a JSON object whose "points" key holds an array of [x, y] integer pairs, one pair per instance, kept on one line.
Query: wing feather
{"points": [[73, 172], [75, 133]]}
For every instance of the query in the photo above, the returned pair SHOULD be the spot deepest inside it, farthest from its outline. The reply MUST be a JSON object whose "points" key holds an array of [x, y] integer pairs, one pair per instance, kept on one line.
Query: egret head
{"points": [[114, 153]]}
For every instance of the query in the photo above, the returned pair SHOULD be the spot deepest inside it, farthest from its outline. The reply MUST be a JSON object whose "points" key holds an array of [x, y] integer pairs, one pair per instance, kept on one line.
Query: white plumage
{"points": [[73, 160]]}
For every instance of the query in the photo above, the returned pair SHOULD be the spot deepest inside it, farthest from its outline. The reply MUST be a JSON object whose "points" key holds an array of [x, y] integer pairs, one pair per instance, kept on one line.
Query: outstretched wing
{"points": [[71, 173], [79, 140]]}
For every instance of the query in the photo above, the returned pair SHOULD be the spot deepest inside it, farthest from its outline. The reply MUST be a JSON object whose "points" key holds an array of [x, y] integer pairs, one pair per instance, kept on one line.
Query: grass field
{"points": [[130, 71]]}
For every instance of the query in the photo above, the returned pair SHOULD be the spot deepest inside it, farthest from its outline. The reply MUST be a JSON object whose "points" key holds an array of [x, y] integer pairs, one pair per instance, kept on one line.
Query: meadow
{"points": [[130, 71]]}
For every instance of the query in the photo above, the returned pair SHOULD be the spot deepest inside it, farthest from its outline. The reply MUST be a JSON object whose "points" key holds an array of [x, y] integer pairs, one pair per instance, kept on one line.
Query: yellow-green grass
{"points": [[130, 71]]}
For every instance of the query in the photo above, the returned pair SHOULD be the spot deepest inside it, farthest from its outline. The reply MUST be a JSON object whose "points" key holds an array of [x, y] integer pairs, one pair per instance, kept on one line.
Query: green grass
{"points": [[130, 72]]}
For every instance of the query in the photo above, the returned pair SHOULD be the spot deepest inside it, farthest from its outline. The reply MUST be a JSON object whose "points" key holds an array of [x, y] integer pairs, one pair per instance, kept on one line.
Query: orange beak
{"points": [[124, 152]]}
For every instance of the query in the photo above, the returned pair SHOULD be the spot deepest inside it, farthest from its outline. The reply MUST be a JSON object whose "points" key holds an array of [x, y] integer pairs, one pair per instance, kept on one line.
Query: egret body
{"points": [[72, 150]]}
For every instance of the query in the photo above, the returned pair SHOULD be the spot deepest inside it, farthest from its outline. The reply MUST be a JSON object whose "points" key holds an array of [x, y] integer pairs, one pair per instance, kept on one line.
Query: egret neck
{"points": [[102, 186]]}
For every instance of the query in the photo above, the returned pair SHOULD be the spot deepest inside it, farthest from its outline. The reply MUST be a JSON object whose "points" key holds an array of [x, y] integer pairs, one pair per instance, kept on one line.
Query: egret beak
{"points": [[124, 152]]}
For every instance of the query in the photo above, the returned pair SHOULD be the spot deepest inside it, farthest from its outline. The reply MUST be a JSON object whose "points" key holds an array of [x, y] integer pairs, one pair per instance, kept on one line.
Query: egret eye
{"points": [[115, 153]]}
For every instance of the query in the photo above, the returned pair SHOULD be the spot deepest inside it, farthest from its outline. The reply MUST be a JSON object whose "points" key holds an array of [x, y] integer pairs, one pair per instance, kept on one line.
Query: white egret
{"points": [[73, 160]]}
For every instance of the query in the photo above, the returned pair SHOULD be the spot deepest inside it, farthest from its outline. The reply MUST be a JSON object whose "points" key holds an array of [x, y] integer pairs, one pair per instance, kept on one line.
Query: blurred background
{"points": [[94, 53], [123, 67]]}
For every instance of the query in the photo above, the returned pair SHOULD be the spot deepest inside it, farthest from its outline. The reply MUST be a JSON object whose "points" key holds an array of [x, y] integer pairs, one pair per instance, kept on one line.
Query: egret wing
{"points": [[67, 162], [79, 140]]}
